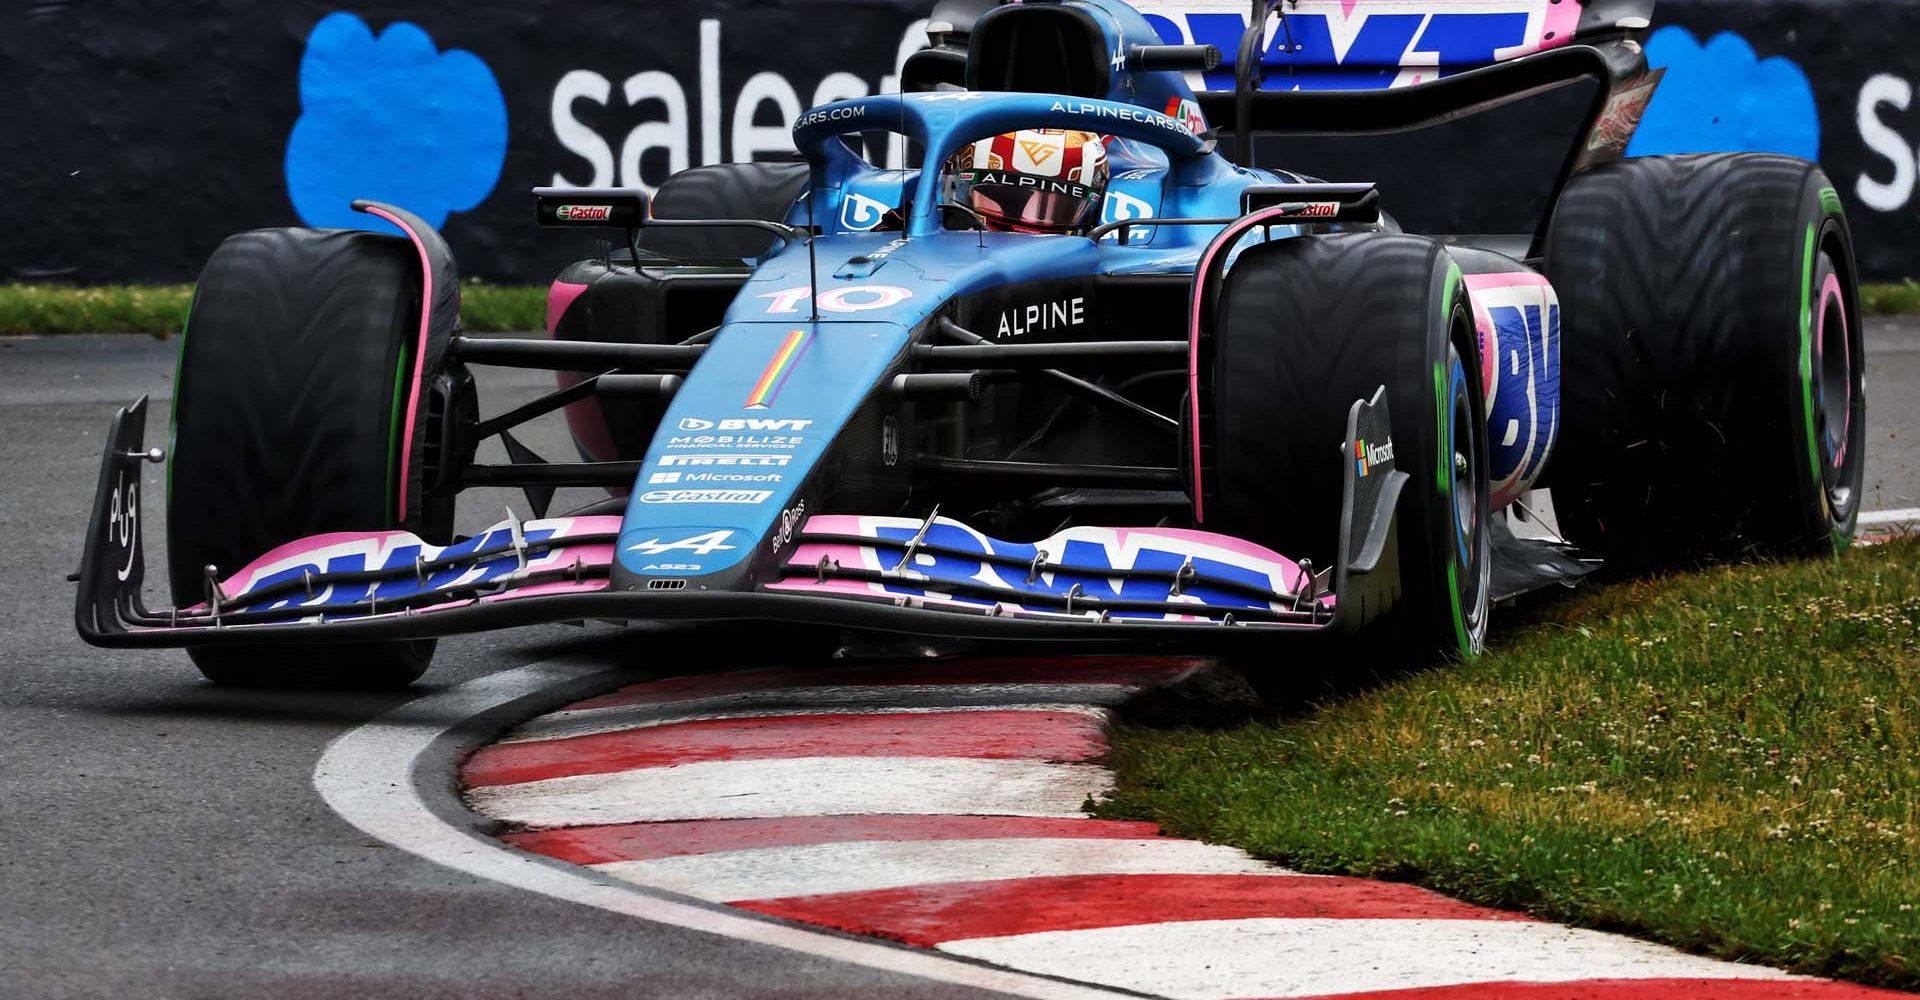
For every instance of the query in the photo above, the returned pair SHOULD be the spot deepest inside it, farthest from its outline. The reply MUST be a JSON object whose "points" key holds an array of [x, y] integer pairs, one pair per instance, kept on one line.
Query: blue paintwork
{"points": [[871, 310], [1527, 373]]}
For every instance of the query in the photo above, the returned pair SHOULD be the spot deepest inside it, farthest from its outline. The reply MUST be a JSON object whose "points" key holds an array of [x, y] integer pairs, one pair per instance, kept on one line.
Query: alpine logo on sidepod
{"points": [[1369, 44]]}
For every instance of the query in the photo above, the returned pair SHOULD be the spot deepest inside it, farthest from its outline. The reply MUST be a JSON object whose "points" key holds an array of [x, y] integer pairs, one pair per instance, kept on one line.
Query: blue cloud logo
{"points": [[394, 119], [1723, 98]]}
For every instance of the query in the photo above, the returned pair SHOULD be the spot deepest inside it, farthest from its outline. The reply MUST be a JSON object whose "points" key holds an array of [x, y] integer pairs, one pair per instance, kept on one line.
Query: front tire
{"points": [[294, 377], [1304, 328], [1713, 372]]}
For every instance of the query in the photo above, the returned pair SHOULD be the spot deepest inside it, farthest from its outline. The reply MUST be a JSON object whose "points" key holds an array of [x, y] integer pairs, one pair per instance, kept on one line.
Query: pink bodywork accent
{"points": [[419, 354], [1505, 279], [560, 296], [584, 417], [1221, 243], [806, 556], [1563, 22], [1562, 19], [1483, 320], [292, 552]]}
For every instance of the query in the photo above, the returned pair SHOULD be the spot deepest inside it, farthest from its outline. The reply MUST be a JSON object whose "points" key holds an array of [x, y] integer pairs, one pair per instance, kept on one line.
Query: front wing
{"points": [[935, 576]]}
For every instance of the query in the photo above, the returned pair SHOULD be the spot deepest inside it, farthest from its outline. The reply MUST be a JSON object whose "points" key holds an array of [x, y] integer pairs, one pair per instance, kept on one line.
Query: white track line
{"points": [[367, 775], [798, 786], [1876, 518], [860, 866], [1213, 959], [770, 712], [795, 700]]}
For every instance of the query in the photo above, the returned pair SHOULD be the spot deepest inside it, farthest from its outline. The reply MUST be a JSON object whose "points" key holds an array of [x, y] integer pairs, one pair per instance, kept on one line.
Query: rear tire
{"points": [[1713, 373], [1304, 328], [294, 378]]}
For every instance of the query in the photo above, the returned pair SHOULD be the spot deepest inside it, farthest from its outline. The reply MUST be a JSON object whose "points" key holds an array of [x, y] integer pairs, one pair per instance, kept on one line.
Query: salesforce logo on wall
{"points": [[392, 118], [758, 122]]}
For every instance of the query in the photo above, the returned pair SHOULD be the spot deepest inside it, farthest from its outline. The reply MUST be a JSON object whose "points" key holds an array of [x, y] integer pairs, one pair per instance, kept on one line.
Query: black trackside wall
{"points": [[137, 137]]}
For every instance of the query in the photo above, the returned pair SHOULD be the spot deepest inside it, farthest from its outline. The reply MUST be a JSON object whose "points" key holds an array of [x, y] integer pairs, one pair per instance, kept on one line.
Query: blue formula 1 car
{"points": [[1069, 373]]}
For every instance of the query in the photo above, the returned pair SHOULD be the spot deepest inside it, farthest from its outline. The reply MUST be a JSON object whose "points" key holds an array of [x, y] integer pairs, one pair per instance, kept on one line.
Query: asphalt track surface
{"points": [[163, 838]]}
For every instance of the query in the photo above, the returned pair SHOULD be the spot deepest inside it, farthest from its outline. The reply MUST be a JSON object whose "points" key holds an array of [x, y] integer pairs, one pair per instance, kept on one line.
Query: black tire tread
{"points": [[1305, 327], [1679, 281], [282, 423]]}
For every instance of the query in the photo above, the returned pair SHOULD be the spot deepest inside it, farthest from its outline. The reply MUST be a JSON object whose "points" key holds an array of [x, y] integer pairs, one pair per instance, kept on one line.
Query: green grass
{"points": [[503, 308], [1891, 299], [161, 309], [1728, 762]]}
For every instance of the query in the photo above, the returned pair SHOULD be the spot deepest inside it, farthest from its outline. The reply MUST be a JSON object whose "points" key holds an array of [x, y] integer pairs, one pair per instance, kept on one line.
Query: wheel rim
{"points": [[1835, 392], [1468, 486]]}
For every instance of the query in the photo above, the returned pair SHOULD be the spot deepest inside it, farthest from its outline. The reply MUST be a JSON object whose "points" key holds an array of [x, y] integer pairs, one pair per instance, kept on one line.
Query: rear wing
{"points": [[1358, 67], [1379, 45], [1371, 67], [1335, 67]]}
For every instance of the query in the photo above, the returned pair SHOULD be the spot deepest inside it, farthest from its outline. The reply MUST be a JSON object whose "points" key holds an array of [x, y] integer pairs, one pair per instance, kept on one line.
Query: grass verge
{"points": [[1727, 761], [1891, 299], [161, 309]]}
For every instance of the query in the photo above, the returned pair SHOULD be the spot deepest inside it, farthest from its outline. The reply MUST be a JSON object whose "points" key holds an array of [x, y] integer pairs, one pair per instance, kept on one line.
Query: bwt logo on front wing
{"points": [[744, 424]]}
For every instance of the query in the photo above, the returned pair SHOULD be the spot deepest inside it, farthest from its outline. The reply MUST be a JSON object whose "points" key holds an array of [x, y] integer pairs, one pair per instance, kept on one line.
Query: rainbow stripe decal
{"points": [[775, 376]]}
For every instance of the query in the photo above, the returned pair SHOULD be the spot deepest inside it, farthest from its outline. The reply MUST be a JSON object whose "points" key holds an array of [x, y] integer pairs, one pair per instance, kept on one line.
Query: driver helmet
{"points": [[1036, 180]]}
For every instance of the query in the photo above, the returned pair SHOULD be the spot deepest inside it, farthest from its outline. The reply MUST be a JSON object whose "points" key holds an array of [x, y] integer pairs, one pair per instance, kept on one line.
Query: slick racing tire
{"points": [[1303, 328], [295, 372], [1713, 372]]}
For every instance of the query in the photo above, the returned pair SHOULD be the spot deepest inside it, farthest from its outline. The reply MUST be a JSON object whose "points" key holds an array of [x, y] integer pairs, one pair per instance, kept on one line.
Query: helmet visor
{"points": [[1026, 201]]}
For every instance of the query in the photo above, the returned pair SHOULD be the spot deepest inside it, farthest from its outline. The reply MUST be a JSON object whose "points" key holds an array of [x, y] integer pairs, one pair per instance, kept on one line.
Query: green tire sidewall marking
{"points": [[393, 435], [1443, 415], [1806, 364], [1830, 200], [1830, 204], [1459, 619], [1442, 481]]}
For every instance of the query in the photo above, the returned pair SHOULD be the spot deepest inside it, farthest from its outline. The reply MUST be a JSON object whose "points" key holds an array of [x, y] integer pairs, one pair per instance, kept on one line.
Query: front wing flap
{"points": [[935, 576]]}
